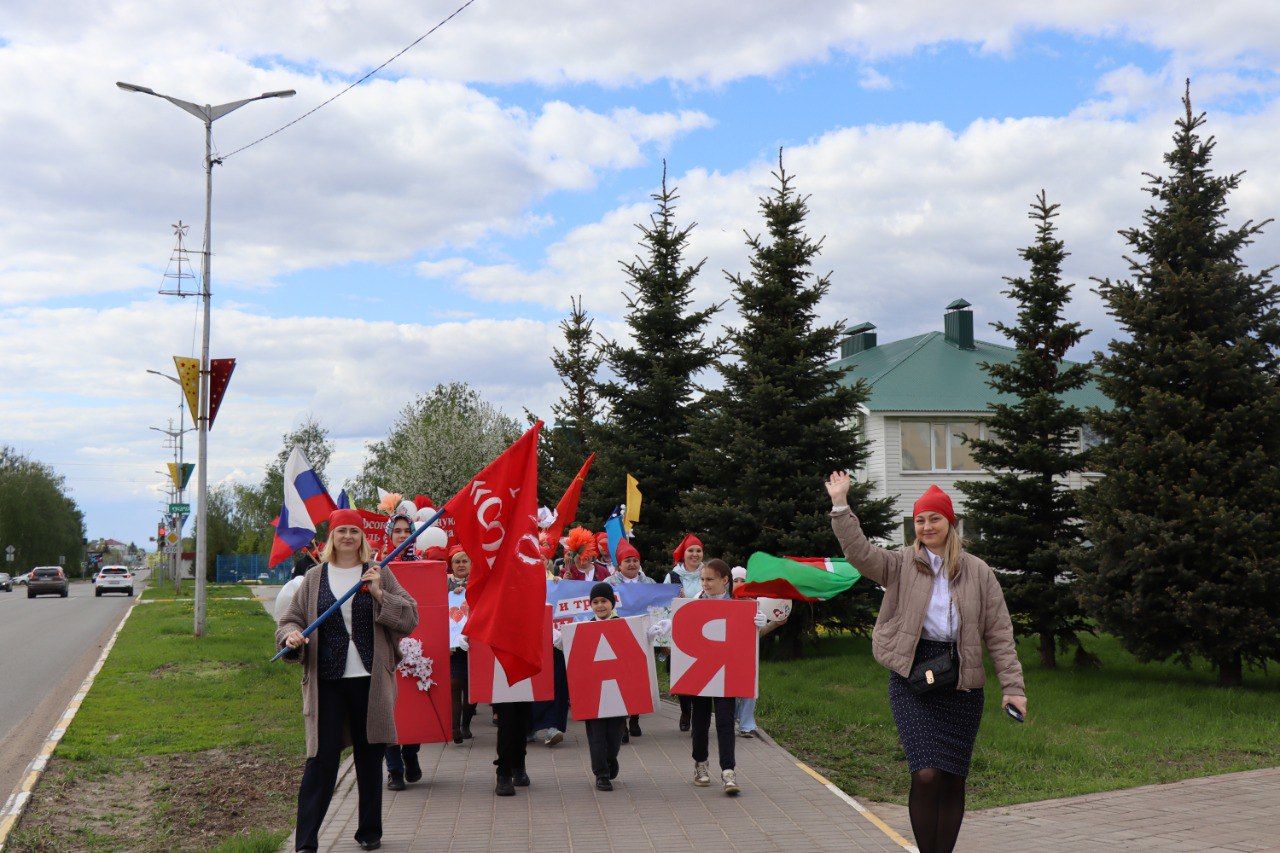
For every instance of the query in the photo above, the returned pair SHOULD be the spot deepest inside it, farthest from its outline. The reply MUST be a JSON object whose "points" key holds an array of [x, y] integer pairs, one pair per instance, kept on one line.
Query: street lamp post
{"points": [[207, 114]]}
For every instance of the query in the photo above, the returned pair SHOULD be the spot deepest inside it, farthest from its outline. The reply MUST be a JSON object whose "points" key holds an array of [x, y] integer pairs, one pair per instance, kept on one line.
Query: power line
{"points": [[403, 51]]}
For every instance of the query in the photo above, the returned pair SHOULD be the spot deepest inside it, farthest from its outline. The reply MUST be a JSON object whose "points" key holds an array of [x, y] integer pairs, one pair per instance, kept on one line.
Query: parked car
{"points": [[6, 582], [46, 580], [113, 579], [21, 580]]}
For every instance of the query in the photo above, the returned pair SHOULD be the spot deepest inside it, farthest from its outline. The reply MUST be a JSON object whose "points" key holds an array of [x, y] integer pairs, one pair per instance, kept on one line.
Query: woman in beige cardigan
{"points": [[941, 603], [349, 680]]}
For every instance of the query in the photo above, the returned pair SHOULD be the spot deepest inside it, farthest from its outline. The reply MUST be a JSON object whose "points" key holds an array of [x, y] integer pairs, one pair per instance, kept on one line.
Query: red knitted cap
{"points": [[626, 549], [688, 540], [344, 517], [935, 500]]}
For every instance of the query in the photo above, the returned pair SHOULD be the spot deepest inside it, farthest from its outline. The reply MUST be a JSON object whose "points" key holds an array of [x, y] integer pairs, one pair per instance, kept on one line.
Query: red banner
{"points": [[423, 716], [496, 521], [375, 530], [567, 509], [220, 370], [610, 668]]}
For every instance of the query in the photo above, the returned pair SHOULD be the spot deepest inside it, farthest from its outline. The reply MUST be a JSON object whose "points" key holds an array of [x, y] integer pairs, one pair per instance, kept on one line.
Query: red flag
{"points": [[496, 521], [567, 509], [220, 370]]}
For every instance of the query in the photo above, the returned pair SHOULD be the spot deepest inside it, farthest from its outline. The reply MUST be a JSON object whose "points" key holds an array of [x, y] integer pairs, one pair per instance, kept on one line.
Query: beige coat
{"points": [[393, 620], [984, 617]]}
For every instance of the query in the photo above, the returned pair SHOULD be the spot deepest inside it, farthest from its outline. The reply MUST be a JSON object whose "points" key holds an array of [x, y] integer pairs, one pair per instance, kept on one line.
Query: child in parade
{"points": [[715, 585], [513, 724], [402, 759], [629, 571], [687, 572], [463, 710], [349, 685]]}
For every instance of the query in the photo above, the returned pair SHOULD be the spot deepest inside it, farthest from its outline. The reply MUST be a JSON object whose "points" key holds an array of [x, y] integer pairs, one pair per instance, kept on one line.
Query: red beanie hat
{"points": [[935, 500], [422, 501], [455, 550], [688, 540], [343, 517], [626, 549]]}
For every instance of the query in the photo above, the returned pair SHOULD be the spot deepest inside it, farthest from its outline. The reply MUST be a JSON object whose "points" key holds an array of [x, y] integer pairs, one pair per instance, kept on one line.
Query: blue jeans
{"points": [[746, 713], [396, 753]]}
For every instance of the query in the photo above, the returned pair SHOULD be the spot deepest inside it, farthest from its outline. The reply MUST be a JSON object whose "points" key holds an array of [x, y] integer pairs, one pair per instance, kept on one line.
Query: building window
{"points": [[936, 446]]}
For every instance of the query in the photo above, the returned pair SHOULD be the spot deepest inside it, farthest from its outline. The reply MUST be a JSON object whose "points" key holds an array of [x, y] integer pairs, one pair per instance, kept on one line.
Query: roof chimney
{"points": [[860, 338], [957, 324]]}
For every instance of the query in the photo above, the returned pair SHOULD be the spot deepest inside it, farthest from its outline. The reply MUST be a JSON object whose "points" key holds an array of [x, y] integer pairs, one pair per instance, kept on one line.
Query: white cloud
{"points": [[873, 80]]}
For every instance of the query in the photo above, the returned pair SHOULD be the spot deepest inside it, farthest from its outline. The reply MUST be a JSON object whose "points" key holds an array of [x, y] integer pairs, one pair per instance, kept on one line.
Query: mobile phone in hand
{"points": [[1015, 713]]}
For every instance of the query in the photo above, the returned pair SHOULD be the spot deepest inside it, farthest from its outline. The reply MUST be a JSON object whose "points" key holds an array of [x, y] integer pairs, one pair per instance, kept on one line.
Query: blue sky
{"points": [[516, 155]]}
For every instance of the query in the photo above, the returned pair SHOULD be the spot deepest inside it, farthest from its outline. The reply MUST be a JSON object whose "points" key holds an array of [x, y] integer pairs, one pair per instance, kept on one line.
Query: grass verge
{"points": [[162, 590], [182, 744], [1122, 725]]}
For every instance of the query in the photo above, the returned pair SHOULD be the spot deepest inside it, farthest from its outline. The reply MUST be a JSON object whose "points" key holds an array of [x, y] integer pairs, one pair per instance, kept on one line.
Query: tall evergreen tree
{"points": [[1181, 525], [783, 418], [651, 395], [566, 443], [1028, 515]]}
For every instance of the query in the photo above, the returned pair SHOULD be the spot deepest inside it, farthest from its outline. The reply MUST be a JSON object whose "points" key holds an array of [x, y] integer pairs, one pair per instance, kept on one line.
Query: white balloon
{"points": [[432, 537]]}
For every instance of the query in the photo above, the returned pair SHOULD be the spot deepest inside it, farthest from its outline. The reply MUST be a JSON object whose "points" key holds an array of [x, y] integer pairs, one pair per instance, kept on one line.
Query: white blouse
{"points": [[941, 622]]}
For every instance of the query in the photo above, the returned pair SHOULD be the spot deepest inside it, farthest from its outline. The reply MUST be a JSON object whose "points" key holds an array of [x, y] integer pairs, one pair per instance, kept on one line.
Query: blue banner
{"points": [[571, 599]]}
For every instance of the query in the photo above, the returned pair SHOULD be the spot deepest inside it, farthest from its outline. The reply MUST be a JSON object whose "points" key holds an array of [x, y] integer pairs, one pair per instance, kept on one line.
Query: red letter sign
{"points": [[715, 648], [489, 681], [610, 668], [423, 717]]}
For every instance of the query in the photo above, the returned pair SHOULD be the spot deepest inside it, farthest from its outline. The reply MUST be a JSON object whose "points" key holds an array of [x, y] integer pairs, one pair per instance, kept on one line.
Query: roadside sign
{"points": [[172, 538], [62, 561], [8, 553], [176, 509]]}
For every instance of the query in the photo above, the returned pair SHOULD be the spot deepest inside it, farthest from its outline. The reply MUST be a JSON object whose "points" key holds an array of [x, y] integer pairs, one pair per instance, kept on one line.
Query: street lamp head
{"points": [[129, 87], [283, 93]]}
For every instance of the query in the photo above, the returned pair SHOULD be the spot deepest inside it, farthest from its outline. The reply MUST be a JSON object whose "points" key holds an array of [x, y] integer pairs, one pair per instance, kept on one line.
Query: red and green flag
{"points": [[797, 578]]}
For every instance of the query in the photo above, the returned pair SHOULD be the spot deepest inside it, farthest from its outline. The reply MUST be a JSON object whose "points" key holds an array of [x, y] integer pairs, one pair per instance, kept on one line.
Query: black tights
{"points": [[937, 808]]}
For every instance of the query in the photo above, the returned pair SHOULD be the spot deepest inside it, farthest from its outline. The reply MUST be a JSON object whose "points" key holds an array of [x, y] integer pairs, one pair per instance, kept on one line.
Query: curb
{"points": [[21, 795], [871, 816]]}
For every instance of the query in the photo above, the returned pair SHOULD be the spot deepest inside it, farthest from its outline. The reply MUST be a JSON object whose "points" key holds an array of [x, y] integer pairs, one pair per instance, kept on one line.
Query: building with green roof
{"points": [[925, 395]]}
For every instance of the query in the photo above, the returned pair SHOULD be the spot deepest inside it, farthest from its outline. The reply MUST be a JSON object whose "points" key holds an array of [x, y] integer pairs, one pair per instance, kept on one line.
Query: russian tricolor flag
{"points": [[306, 504]]}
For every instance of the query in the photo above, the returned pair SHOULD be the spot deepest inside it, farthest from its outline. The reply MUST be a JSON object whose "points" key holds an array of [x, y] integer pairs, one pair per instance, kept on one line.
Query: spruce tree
{"points": [[1183, 524], [1028, 515], [783, 418], [565, 444], [652, 394]]}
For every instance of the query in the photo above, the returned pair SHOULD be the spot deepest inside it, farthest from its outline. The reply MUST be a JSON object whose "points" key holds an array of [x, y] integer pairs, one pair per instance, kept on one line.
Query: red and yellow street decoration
{"points": [[220, 370], [189, 375]]}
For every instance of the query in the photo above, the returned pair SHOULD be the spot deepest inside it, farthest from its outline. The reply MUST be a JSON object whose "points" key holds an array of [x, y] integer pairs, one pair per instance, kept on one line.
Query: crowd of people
{"points": [[941, 606]]}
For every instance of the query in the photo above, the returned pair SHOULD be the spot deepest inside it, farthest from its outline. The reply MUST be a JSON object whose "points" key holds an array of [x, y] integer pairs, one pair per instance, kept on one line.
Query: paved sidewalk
{"points": [[1236, 812], [653, 806]]}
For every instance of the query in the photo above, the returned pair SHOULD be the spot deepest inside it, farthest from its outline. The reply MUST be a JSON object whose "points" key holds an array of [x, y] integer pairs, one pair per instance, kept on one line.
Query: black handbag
{"points": [[937, 673]]}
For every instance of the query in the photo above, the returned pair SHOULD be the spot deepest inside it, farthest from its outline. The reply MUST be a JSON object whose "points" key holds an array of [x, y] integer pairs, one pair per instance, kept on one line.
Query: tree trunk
{"points": [[1048, 650], [1231, 671]]}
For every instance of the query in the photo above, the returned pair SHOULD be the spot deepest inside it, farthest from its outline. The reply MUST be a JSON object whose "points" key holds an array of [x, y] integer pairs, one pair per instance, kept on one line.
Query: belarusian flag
{"points": [[800, 578]]}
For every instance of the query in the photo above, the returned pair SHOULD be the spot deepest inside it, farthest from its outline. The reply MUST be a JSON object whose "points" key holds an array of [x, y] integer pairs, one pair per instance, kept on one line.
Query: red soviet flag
{"points": [[496, 522]]}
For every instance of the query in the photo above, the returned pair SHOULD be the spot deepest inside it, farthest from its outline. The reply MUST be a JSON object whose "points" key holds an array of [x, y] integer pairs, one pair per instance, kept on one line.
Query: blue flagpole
{"points": [[311, 629]]}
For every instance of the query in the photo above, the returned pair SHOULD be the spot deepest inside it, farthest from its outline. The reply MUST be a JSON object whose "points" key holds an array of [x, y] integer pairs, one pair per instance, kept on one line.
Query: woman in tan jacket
{"points": [[941, 605], [349, 679]]}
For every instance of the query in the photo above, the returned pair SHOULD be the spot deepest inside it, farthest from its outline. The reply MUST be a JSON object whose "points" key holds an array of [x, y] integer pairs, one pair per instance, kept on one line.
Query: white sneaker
{"points": [[554, 736], [541, 734], [701, 776], [730, 782]]}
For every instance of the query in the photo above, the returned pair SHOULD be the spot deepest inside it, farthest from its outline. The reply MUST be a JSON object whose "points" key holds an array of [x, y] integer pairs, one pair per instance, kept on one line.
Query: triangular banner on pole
{"points": [[189, 375], [631, 514], [220, 370], [181, 475]]}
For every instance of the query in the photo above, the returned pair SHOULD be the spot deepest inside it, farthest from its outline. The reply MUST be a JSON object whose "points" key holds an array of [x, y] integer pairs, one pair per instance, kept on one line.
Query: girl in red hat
{"points": [[688, 573], [941, 606]]}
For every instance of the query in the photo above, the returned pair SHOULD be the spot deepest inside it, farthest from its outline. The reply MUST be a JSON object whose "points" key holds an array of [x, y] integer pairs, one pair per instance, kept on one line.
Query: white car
{"points": [[114, 579]]}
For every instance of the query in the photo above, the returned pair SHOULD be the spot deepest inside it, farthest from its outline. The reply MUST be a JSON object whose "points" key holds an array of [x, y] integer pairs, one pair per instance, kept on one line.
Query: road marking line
{"points": [[860, 808], [21, 795]]}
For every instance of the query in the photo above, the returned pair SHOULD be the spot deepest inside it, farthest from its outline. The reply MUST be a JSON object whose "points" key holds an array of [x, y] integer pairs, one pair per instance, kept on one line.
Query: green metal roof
{"points": [[927, 373]]}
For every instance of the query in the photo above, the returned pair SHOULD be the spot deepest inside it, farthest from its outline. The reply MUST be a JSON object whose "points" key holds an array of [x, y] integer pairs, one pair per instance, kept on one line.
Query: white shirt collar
{"points": [[934, 561]]}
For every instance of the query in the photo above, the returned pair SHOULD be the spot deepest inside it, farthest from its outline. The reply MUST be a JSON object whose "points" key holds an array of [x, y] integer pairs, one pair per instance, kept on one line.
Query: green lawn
{"points": [[181, 744], [162, 590], [1123, 725]]}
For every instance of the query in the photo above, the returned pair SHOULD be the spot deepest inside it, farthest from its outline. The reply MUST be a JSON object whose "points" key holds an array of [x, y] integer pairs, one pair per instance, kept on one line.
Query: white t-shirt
{"points": [[341, 580], [941, 620]]}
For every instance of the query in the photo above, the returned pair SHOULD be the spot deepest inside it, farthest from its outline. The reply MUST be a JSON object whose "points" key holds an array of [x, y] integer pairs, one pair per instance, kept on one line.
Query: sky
{"points": [[431, 224]]}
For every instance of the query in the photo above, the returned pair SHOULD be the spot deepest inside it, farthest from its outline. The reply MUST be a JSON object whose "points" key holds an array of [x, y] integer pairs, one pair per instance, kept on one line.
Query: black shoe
{"points": [[633, 728], [613, 769], [457, 735], [466, 732], [370, 845], [684, 721], [504, 787], [395, 781], [520, 779], [412, 769], [603, 784], [626, 738]]}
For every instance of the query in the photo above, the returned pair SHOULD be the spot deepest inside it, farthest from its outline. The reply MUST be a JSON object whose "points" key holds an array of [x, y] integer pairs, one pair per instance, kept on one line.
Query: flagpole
{"points": [[311, 629]]}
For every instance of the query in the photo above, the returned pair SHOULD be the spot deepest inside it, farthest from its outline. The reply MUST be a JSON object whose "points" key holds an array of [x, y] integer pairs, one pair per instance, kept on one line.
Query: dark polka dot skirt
{"points": [[937, 729]]}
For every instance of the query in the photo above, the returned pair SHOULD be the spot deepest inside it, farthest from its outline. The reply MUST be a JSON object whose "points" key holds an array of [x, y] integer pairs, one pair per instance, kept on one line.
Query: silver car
{"points": [[6, 582]]}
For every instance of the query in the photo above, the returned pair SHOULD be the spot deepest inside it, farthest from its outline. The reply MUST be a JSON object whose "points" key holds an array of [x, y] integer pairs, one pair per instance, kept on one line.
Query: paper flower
{"points": [[414, 665]]}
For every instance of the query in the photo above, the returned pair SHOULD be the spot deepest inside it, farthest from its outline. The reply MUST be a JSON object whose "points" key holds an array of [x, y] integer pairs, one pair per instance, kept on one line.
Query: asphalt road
{"points": [[47, 646]]}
